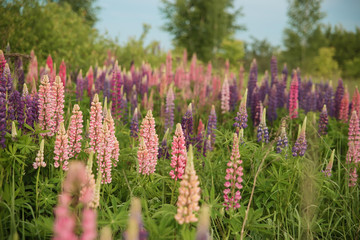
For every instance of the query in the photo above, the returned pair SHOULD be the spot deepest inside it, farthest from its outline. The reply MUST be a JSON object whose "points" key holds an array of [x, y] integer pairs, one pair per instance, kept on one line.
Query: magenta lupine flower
{"points": [[58, 102], [344, 108], [95, 126], [329, 166], [115, 152], [62, 72], [61, 150], [262, 131], [169, 110], [225, 97], [39, 160], [242, 116], [134, 125], [187, 123], [46, 107], [75, 131], [301, 144], [339, 94], [148, 133], [212, 127], [323, 121], [2, 62], [178, 154], [293, 98], [233, 177]]}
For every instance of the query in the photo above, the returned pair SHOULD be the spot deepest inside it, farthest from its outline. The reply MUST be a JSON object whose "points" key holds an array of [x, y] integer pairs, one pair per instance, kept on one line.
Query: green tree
{"points": [[325, 65], [304, 17], [200, 26]]}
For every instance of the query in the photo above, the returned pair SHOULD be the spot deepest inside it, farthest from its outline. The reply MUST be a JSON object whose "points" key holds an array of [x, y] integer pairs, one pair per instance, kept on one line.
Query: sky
{"points": [[123, 19]]}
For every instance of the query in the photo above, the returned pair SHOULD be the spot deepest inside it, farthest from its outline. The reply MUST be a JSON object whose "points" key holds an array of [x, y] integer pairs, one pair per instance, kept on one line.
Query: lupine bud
{"points": [[13, 130], [178, 154], [328, 168], [323, 121], [233, 177], [242, 116], [189, 193], [39, 160], [301, 144], [263, 132]]}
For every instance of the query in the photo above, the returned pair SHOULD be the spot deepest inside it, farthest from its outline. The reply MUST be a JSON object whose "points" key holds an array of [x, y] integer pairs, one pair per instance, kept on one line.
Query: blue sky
{"points": [[262, 18]]}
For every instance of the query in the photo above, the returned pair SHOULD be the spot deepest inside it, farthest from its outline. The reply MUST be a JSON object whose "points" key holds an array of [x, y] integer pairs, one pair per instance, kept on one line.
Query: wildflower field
{"points": [[184, 151]]}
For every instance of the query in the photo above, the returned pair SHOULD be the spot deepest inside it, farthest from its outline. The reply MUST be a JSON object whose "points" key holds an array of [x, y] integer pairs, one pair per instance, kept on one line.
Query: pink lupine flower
{"points": [[344, 108], [104, 154], [68, 211], [95, 126], [142, 156], [189, 193], [62, 72], [61, 148], [352, 156], [178, 154], [39, 160], [46, 107], [49, 63], [33, 69], [148, 133], [233, 177], [225, 97], [354, 129], [58, 102], [75, 131], [353, 177], [115, 148], [293, 98]]}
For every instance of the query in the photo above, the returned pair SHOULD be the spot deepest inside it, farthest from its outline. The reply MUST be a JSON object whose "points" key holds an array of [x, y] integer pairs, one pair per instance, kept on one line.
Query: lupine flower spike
{"points": [[142, 156], [58, 98], [95, 126], [225, 97], [39, 160], [61, 150], [150, 138], [242, 116], [134, 125], [169, 110], [46, 107], [189, 193], [282, 141], [163, 149], [263, 132], [344, 107], [187, 123], [352, 156], [212, 127], [75, 131], [323, 121], [178, 154], [328, 168], [293, 97], [233, 177], [301, 144]]}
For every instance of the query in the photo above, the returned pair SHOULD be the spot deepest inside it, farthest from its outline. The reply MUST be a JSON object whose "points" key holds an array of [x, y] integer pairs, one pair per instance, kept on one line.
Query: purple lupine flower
{"points": [[272, 104], [255, 107], [339, 94], [282, 141], [252, 81], [144, 86], [264, 88], [79, 86], [233, 95], [328, 168], [2, 119], [207, 146], [107, 87], [329, 101], [30, 109], [274, 70], [323, 121], [242, 116], [169, 109], [280, 101], [6, 82], [19, 72], [301, 144], [164, 149], [284, 75], [212, 122], [134, 125], [319, 97], [262, 131], [187, 124], [16, 108], [311, 100]]}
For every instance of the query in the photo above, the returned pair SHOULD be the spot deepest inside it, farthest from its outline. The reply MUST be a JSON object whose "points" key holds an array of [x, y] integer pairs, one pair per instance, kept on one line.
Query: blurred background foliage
{"points": [[65, 29]]}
